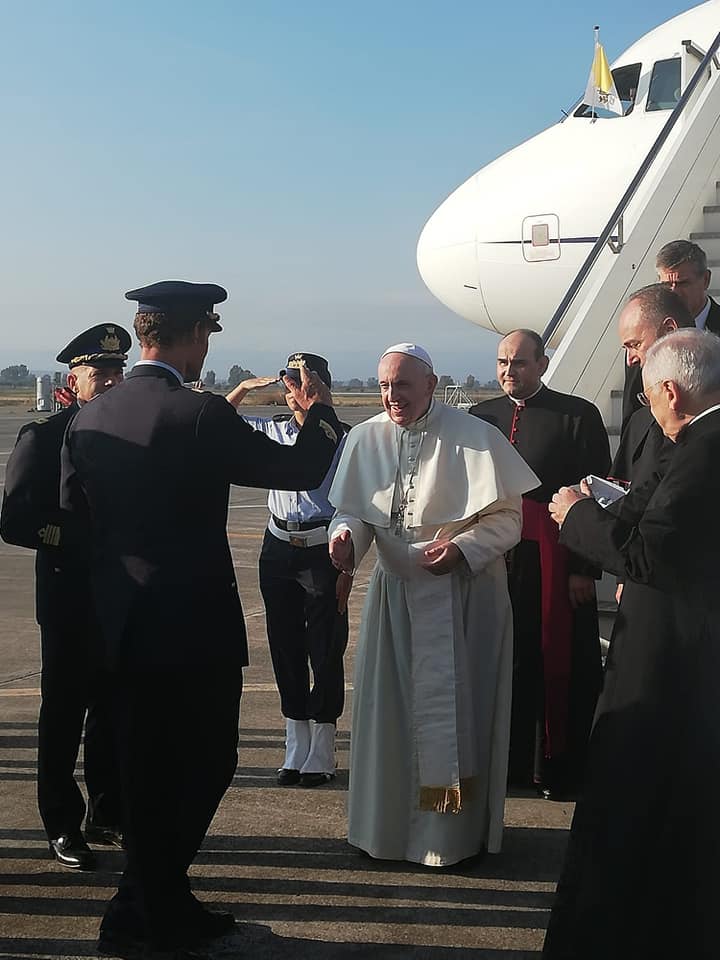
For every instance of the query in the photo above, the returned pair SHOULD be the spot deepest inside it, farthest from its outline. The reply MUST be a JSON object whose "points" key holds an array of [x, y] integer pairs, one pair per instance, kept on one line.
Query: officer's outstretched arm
{"points": [[251, 459]]}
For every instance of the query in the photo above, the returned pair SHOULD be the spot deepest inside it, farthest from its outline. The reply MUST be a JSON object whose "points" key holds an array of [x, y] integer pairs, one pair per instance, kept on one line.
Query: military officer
{"points": [[153, 462], [299, 586], [70, 683]]}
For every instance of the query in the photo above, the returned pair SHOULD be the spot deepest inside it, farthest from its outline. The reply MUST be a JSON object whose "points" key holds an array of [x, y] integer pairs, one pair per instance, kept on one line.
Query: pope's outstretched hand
{"points": [[342, 552]]}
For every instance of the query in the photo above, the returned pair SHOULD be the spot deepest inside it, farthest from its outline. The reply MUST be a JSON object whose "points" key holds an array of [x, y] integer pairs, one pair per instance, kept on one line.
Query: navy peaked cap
{"points": [[104, 344], [193, 300], [312, 361]]}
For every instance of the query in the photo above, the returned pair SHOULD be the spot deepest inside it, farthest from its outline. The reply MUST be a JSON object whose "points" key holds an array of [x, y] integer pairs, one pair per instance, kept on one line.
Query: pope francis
{"points": [[439, 493]]}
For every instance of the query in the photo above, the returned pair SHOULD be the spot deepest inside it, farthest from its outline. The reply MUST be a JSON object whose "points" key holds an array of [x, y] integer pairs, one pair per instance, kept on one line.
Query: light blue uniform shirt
{"points": [[297, 505]]}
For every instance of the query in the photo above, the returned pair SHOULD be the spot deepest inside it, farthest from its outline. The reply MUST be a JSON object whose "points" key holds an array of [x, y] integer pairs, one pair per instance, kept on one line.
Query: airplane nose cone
{"points": [[447, 257]]}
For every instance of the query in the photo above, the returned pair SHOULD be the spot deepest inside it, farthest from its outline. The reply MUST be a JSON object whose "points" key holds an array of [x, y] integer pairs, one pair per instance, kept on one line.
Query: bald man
{"points": [[556, 659]]}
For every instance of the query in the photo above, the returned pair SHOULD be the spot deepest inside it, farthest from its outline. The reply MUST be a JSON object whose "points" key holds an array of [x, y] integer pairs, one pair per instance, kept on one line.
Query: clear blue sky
{"points": [[288, 151]]}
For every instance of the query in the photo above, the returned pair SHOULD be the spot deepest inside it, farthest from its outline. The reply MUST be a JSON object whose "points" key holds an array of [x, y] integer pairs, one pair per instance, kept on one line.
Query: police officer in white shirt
{"points": [[305, 607]]}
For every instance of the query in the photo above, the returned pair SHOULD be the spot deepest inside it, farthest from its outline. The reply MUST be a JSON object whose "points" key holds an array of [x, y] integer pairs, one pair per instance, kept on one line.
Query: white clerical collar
{"points": [[160, 363], [701, 318], [520, 402], [715, 406], [421, 422]]}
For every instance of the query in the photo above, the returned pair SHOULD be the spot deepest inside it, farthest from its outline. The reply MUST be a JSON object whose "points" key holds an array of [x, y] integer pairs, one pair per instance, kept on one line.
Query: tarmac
{"points": [[277, 857]]}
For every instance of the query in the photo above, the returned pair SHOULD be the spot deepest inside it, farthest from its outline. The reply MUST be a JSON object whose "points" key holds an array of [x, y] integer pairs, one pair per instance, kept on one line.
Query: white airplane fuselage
{"points": [[503, 249]]}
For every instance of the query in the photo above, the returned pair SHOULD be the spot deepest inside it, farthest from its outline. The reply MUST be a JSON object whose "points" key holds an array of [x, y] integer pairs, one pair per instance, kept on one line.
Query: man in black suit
{"points": [[70, 682], [649, 314], [152, 463], [682, 267], [640, 878]]}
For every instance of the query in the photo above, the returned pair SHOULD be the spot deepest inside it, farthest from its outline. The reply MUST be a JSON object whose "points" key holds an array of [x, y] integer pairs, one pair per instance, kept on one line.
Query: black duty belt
{"points": [[291, 525]]}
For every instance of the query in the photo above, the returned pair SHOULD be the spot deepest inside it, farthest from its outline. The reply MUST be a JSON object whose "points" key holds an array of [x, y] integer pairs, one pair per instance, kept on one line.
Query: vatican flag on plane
{"points": [[600, 90]]}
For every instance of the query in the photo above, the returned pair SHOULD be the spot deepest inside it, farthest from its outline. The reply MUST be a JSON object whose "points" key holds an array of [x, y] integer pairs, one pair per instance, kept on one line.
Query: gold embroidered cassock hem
{"points": [[446, 799]]}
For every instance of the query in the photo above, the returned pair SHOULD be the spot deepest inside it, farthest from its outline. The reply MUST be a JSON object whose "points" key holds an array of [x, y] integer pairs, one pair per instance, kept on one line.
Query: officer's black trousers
{"points": [[177, 733], [304, 629], [71, 686]]}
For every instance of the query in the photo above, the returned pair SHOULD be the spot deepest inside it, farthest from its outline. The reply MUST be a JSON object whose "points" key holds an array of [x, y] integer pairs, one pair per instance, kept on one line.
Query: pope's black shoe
{"points": [[287, 778], [71, 850], [315, 779]]}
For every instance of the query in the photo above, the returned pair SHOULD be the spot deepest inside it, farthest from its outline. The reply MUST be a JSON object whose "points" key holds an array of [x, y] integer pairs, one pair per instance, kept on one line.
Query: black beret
{"points": [[312, 361], [179, 297], [105, 344]]}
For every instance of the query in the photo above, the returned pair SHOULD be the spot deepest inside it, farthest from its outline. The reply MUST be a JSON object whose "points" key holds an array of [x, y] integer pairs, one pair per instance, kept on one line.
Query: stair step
{"points": [[712, 208], [715, 235], [616, 394]]}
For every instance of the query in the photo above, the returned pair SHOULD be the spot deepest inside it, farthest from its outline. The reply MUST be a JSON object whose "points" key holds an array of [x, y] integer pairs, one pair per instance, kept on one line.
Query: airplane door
{"points": [[690, 60], [541, 237]]}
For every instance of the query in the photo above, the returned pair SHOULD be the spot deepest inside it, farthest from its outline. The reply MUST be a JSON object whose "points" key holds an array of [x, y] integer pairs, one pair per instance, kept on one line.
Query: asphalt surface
{"points": [[277, 857]]}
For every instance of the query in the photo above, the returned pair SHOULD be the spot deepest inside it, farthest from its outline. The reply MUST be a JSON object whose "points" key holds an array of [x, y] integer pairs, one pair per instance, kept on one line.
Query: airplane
{"points": [[504, 247]]}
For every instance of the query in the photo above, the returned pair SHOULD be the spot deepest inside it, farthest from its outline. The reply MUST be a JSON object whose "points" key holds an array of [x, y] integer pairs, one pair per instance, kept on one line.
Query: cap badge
{"points": [[110, 342]]}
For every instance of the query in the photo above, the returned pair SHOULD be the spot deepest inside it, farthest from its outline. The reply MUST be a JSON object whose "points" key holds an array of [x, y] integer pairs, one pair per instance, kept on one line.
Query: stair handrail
{"points": [[619, 210]]}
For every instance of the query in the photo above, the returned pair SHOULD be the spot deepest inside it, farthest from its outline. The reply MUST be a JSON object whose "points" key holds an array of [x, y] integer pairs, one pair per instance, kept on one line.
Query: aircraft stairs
{"points": [[675, 194]]}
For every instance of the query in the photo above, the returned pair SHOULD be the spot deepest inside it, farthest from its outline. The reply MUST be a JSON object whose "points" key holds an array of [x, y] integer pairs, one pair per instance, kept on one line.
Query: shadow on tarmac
{"points": [[528, 854], [261, 943]]}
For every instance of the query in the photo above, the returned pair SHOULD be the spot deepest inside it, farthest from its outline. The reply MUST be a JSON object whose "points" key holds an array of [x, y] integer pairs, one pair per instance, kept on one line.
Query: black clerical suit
{"points": [[643, 449], [563, 439], [71, 685], [152, 463], [641, 878], [633, 375]]}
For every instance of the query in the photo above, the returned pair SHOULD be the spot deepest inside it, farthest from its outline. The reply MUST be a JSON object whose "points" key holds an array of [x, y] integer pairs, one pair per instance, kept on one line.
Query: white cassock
{"points": [[431, 709]]}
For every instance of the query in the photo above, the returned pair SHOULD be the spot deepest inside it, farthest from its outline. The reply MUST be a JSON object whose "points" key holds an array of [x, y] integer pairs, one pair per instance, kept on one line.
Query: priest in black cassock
{"points": [[556, 666], [640, 879]]}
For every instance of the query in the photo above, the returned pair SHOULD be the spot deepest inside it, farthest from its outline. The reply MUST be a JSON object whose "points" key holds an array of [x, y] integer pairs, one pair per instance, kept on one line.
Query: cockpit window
{"points": [[664, 85], [626, 83]]}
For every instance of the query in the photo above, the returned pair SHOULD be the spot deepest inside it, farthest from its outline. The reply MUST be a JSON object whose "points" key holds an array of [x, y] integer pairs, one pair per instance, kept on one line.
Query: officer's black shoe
{"points": [[315, 779], [287, 778], [116, 944], [72, 851], [209, 924], [107, 836]]}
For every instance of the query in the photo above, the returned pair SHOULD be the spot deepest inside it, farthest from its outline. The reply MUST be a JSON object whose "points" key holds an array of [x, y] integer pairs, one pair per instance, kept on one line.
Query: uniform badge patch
{"points": [[50, 535], [328, 431]]}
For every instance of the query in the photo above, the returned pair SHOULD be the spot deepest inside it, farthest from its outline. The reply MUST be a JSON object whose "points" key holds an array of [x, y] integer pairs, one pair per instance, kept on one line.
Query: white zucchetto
{"points": [[410, 350]]}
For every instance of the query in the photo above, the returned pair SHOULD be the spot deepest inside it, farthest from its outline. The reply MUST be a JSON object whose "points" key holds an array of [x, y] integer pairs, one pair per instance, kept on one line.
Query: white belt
{"points": [[299, 538]]}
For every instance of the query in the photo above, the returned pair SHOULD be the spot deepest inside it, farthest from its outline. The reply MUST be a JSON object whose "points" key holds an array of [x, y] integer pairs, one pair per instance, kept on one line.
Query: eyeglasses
{"points": [[643, 396]]}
